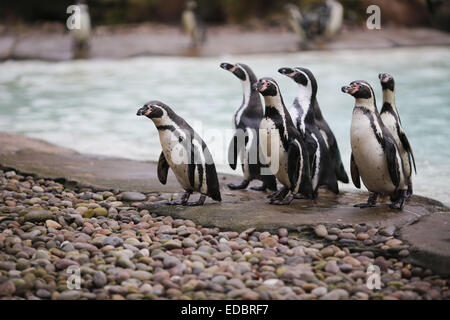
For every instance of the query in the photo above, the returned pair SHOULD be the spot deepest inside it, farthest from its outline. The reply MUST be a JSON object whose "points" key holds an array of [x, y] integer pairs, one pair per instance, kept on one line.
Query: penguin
{"points": [[330, 140], [302, 113], [184, 151], [295, 20], [391, 119], [245, 139], [282, 143], [81, 35], [335, 18], [375, 155], [192, 25]]}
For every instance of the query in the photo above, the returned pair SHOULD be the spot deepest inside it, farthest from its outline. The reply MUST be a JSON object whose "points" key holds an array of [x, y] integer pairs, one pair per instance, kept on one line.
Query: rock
{"points": [[43, 294], [319, 291], [269, 242], [332, 267], [394, 242], [113, 241], [283, 232], [37, 189], [125, 262], [173, 244], [63, 264], [99, 279], [52, 224], [100, 212], [37, 215], [362, 236], [69, 295], [321, 231], [133, 196], [347, 235], [170, 261], [7, 289], [336, 294], [388, 231], [189, 243], [346, 267], [141, 275]]}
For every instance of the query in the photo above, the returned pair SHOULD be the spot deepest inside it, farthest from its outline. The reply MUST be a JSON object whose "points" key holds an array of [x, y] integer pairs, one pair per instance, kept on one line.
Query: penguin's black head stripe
{"points": [[359, 89], [152, 109], [236, 69], [387, 81], [267, 87]]}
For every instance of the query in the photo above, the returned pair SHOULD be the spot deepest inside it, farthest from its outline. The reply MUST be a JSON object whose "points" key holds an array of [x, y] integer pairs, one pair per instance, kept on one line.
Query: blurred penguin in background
{"points": [[80, 36], [295, 20], [192, 25], [335, 16], [324, 19]]}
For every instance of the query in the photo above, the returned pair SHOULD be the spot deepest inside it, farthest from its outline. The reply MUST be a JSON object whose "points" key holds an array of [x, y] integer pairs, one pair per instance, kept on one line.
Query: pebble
{"points": [[133, 196], [124, 252], [321, 231]]}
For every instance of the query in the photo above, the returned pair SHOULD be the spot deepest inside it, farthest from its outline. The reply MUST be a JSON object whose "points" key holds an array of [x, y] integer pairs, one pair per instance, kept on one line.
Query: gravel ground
{"points": [[123, 252]]}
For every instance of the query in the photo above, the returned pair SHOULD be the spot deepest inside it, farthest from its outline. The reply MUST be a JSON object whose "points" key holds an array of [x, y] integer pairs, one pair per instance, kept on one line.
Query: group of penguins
{"points": [[299, 140]]}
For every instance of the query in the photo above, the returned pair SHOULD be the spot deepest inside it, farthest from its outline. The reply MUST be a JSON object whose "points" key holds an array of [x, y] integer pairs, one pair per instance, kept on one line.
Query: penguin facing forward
{"points": [[289, 152], [245, 140], [302, 113], [184, 151], [375, 156], [330, 140], [391, 119]]}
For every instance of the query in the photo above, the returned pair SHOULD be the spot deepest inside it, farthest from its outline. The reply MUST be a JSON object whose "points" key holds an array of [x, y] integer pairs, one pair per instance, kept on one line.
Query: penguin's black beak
{"points": [[384, 77], [286, 71], [226, 66], [349, 89], [142, 111], [259, 86]]}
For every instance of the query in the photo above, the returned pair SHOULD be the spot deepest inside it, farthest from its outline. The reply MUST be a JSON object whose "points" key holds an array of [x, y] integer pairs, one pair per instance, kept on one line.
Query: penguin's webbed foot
{"points": [[277, 195], [371, 202], [240, 186], [398, 205], [199, 202], [182, 201], [287, 200]]}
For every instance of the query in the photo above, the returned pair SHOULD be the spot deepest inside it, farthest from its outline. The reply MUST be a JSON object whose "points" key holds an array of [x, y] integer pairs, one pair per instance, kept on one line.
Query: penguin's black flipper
{"points": [[405, 142], [293, 164], [232, 152], [392, 163], [163, 168], [251, 148], [355, 172], [211, 175]]}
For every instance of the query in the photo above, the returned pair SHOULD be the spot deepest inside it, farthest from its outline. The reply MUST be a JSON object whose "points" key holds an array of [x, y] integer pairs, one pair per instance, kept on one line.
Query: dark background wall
{"points": [[107, 12]]}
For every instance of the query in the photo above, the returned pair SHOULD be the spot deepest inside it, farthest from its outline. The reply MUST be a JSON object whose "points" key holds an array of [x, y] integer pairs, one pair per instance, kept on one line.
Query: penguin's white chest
{"points": [[176, 156], [369, 155], [272, 149]]}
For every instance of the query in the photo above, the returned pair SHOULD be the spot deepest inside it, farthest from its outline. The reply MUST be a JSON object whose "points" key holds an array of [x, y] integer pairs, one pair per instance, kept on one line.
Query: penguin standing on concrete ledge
{"points": [[375, 155], [302, 113], [245, 140], [303, 79], [391, 120], [290, 153], [184, 152]]}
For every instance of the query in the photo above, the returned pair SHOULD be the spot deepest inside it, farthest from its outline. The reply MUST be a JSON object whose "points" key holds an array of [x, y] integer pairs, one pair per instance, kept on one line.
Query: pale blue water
{"points": [[91, 105]]}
